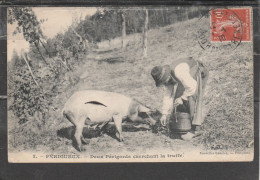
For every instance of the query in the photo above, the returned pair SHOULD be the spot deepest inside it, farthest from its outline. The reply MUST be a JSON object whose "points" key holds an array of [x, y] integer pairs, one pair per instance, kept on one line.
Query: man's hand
{"points": [[178, 101], [163, 120]]}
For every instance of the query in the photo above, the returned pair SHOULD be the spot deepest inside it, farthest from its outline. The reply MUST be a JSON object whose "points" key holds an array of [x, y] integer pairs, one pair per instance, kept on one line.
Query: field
{"points": [[227, 105]]}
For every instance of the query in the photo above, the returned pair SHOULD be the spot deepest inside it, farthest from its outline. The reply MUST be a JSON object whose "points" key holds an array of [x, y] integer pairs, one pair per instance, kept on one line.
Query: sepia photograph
{"points": [[130, 84]]}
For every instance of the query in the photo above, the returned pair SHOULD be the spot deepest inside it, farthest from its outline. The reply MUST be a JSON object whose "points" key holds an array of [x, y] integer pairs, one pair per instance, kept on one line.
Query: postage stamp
{"points": [[228, 28], [130, 84], [231, 25]]}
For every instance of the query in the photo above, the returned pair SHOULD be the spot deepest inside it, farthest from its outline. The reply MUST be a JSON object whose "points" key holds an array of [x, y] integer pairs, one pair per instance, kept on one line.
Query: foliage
{"points": [[228, 99], [58, 54], [28, 98], [105, 24], [27, 23], [66, 50]]}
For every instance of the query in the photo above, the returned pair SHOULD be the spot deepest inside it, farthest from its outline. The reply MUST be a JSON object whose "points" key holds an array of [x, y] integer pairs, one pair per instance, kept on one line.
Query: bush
{"points": [[28, 98]]}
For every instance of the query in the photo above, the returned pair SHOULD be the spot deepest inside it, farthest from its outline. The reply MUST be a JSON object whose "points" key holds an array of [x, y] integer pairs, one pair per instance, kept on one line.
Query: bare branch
{"points": [[26, 61]]}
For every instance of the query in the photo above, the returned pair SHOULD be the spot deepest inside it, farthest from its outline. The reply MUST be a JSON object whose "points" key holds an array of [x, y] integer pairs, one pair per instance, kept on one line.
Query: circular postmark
{"points": [[219, 29]]}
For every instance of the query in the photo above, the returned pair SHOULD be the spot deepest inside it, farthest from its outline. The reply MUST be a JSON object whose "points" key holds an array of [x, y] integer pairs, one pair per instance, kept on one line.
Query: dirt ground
{"points": [[228, 101]]}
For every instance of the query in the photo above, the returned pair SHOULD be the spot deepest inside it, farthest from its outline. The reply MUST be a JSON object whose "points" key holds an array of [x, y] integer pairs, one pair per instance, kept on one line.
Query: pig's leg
{"points": [[103, 124], [84, 141], [118, 123], [79, 130]]}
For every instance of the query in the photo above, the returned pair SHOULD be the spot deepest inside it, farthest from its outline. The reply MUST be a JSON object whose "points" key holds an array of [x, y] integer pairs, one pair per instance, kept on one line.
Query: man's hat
{"points": [[160, 74]]}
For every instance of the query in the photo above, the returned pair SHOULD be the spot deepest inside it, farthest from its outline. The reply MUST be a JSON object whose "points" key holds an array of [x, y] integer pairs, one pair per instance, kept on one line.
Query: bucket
{"points": [[181, 122]]}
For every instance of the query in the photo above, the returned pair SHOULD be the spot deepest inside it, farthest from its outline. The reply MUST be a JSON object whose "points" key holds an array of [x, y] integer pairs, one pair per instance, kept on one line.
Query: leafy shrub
{"points": [[28, 98]]}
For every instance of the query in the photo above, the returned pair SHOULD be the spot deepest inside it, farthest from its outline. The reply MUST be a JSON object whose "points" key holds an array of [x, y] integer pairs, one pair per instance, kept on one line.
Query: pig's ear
{"points": [[144, 109]]}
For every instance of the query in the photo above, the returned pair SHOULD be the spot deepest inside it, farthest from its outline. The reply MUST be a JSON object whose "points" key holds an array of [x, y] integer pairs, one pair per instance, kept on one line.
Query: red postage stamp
{"points": [[231, 25]]}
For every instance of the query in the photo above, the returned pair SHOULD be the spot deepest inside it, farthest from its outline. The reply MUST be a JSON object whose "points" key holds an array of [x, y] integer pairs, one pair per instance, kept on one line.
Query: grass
{"points": [[228, 100]]}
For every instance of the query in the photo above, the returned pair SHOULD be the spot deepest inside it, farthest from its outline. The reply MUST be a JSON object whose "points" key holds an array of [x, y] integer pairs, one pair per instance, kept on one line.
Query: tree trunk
{"points": [[145, 34], [26, 61], [123, 30], [186, 13], [36, 45], [80, 38], [162, 14], [52, 57], [46, 49], [166, 16]]}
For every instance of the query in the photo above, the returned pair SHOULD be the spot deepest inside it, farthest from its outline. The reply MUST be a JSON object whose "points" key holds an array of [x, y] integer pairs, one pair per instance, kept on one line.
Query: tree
{"points": [[110, 27], [145, 33], [27, 24], [123, 29], [25, 58]]}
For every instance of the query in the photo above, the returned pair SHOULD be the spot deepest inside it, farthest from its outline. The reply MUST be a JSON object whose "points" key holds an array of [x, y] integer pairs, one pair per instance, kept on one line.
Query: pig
{"points": [[93, 107]]}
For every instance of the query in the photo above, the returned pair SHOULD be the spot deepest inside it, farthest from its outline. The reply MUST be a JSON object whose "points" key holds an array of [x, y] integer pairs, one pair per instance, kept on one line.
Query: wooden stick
{"points": [[36, 45], [79, 36], [25, 59], [52, 57]]}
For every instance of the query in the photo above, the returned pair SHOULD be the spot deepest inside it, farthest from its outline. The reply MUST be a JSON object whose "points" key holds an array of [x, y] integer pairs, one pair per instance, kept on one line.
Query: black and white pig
{"points": [[92, 107]]}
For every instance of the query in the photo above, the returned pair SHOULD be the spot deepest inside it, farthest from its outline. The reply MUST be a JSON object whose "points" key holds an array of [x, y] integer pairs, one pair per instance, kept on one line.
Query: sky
{"points": [[58, 20]]}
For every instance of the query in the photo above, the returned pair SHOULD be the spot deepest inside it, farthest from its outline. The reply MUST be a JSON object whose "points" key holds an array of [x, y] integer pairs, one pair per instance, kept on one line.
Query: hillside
{"points": [[228, 100]]}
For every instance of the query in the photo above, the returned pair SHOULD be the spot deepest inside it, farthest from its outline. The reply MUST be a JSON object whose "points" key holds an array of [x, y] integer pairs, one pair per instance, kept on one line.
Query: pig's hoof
{"points": [[120, 137], [84, 141], [79, 148]]}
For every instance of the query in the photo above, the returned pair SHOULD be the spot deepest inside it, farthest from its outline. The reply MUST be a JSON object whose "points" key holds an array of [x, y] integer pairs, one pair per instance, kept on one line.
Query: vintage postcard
{"points": [[130, 84]]}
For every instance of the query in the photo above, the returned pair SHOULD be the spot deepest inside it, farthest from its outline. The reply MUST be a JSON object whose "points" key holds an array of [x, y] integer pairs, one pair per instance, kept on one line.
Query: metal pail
{"points": [[181, 122]]}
